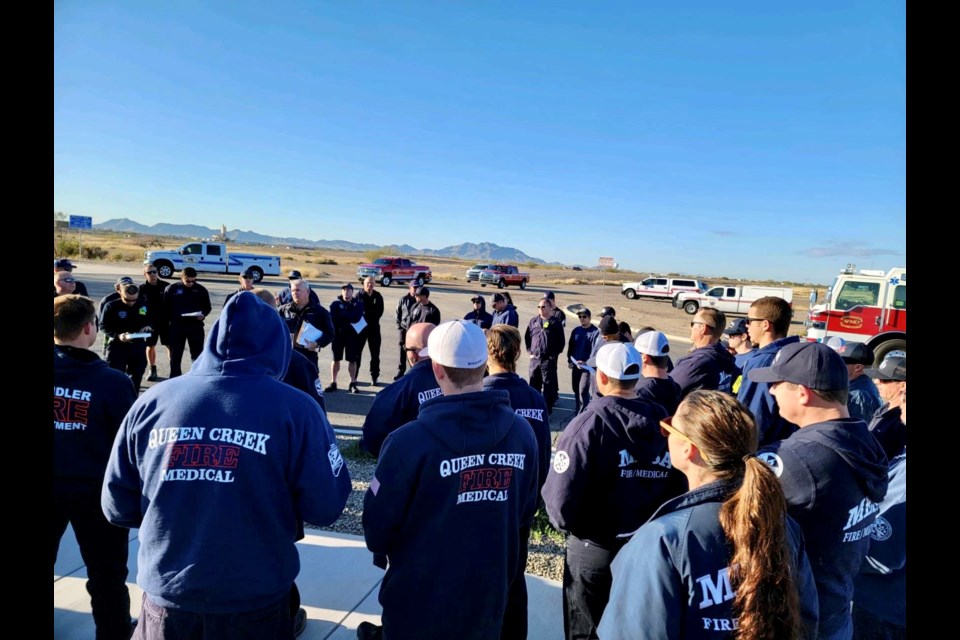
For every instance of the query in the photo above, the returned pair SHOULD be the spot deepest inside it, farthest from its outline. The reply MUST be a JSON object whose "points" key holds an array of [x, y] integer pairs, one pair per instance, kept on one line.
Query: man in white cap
{"points": [[450, 494], [610, 473], [655, 384]]}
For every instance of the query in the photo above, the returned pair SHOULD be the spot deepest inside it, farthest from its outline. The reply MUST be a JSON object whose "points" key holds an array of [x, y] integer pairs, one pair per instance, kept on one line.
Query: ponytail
{"points": [[753, 518]]}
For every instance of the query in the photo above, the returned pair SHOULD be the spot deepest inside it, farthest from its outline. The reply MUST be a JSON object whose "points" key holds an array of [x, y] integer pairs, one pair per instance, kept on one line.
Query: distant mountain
{"points": [[485, 251]]}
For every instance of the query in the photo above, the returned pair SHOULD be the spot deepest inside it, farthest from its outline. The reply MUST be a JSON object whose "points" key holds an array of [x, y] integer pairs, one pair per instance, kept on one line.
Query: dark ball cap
{"points": [[892, 368], [608, 311], [63, 265], [295, 275], [609, 326], [498, 297], [811, 364], [423, 291], [548, 296]]}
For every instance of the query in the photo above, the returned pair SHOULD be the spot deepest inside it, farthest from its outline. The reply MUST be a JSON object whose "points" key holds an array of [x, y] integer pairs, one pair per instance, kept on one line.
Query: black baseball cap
{"points": [[247, 273], [423, 291], [295, 275], [498, 297], [737, 327], [476, 299], [609, 326], [63, 264], [811, 364], [892, 368], [857, 353], [583, 311], [346, 285], [548, 295]]}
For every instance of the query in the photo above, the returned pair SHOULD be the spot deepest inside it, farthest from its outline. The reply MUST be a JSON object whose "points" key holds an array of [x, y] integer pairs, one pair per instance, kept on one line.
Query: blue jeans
{"points": [[273, 622]]}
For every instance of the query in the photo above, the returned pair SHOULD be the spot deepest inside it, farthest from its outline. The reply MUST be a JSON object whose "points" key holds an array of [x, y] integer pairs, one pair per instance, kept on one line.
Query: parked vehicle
{"points": [[504, 275], [661, 287], [212, 257], [473, 273], [729, 299], [389, 270], [868, 306]]}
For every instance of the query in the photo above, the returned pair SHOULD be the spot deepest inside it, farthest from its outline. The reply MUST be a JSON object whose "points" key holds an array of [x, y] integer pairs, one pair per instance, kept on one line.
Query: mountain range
{"points": [[484, 251]]}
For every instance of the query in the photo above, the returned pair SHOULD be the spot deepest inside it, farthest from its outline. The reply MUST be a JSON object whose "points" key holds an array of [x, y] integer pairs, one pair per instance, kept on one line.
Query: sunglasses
{"points": [[189, 281], [749, 320], [666, 428], [542, 307], [696, 322], [247, 277], [67, 280], [151, 273], [411, 349]]}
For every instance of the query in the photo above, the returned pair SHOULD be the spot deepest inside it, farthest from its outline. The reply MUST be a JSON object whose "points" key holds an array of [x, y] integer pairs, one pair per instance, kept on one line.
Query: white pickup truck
{"points": [[212, 257], [729, 299]]}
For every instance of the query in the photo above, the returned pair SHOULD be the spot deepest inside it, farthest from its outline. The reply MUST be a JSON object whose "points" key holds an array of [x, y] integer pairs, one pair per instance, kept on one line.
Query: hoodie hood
{"points": [[468, 421], [858, 448], [630, 419], [249, 339]]}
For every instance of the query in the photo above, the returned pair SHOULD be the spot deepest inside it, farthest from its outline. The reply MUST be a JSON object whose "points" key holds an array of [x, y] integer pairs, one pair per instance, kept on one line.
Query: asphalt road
{"points": [[346, 410]]}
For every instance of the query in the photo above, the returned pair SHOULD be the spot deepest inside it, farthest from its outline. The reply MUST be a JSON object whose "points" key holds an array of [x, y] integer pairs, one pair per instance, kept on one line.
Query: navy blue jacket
{"points": [[756, 396], [864, 399], [480, 317], [611, 470], [219, 469], [345, 314], [671, 580], [372, 309], [118, 317], [881, 585], [152, 294], [833, 474], [527, 403], [451, 493], [709, 368], [89, 401], [423, 313], [889, 430], [398, 404], [580, 345], [179, 299], [507, 316], [663, 391], [544, 341], [294, 317]]}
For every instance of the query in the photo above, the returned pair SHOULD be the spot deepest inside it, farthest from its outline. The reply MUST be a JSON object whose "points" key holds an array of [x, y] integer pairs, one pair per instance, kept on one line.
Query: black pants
{"points": [[371, 334], [586, 587], [128, 357], [515, 617], [103, 548], [180, 335], [543, 374], [402, 367], [581, 388]]}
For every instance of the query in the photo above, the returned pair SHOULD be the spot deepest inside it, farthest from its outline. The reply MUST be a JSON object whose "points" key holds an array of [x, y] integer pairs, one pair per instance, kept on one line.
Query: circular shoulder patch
{"points": [[773, 460], [881, 529], [561, 461]]}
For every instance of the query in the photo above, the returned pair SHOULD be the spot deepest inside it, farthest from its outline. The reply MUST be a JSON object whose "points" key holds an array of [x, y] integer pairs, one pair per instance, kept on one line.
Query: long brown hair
{"points": [[753, 518]]}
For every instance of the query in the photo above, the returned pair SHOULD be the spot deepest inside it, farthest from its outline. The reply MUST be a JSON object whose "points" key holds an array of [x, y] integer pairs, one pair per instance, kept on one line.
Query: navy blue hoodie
{"points": [[863, 400], [507, 316], [451, 492], [544, 338], [580, 345], [398, 404], [710, 367], [889, 430], [220, 467], [833, 474], [671, 580], [89, 401], [610, 472], [527, 403], [663, 391], [480, 316], [345, 314]]}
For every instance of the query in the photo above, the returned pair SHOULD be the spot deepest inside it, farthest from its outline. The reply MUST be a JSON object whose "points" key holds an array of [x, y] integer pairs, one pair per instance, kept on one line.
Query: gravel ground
{"points": [[545, 558]]}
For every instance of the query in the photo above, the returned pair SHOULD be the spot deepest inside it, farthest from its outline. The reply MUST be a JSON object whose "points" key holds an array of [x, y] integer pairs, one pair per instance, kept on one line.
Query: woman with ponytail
{"points": [[724, 560]]}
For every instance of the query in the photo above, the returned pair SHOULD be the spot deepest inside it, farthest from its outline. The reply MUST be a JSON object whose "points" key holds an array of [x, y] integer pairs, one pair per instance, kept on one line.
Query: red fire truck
{"points": [[868, 306]]}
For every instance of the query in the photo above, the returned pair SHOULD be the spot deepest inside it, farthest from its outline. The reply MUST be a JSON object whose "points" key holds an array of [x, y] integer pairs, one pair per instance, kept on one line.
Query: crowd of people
{"points": [[753, 488]]}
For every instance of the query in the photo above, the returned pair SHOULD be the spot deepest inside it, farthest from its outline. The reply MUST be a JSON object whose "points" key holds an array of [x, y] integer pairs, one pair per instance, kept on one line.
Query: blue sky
{"points": [[741, 139]]}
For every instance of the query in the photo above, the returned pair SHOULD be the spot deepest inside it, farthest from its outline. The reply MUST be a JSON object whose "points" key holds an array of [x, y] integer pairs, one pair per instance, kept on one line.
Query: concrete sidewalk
{"points": [[338, 587]]}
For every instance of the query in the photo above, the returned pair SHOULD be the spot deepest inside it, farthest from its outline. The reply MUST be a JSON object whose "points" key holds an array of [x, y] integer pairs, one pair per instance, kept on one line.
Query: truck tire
{"points": [[691, 306], [386, 280], [631, 294], [418, 281], [523, 284], [257, 273], [884, 348], [165, 270], [501, 284]]}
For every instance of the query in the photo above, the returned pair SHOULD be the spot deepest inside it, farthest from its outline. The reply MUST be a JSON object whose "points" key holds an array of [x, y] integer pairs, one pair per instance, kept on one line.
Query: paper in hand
{"points": [[308, 333]]}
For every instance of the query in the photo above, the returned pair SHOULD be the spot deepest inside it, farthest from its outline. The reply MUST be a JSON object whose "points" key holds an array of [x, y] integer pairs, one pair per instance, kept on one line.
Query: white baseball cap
{"points": [[619, 360], [652, 343], [459, 344]]}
